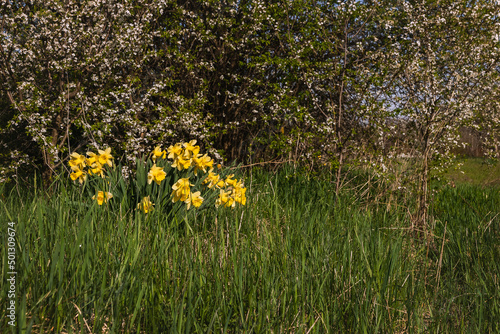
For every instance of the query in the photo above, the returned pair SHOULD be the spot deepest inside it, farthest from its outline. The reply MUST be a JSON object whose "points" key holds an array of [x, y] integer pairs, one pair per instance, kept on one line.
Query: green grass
{"points": [[294, 260], [477, 171]]}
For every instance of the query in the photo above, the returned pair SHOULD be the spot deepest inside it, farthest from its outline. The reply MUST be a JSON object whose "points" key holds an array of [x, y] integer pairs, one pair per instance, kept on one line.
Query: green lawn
{"points": [[294, 260]]}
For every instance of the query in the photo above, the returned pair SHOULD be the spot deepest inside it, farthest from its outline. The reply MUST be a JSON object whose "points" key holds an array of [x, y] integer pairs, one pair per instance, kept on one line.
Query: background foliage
{"points": [[253, 80]]}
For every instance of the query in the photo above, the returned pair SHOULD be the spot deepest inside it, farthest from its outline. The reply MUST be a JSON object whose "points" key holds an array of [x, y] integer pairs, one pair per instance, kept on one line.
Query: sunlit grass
{"points": [[478, 171]]}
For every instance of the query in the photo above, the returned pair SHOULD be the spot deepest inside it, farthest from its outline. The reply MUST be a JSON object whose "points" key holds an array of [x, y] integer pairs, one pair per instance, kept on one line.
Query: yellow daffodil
{"points": [[78, 174], [77, 160], [105, 157], [191, 150], [181, 163], [225, 199], [188, 154], [201, 163], [145, 205], [207, 162], [92, 158], [156, 174], [190, 146], [174, 151], [181, 190], [102, 197], [239, 195], [230, 181], [195, 199], [158, 153], [196, 162], [97, 169], [237, 185], [212, 179]]}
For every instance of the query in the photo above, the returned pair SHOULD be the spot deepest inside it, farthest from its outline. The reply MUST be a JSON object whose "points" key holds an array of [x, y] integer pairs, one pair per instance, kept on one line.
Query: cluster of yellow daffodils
{"points": [[93, 164], [182, 192], [232, 191], [183, 156], [187, 157], [183, 159]]}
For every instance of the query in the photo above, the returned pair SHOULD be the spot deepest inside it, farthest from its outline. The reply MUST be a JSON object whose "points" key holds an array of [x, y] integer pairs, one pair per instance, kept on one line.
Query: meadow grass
{"points": [[477, 171], [295, 259]]}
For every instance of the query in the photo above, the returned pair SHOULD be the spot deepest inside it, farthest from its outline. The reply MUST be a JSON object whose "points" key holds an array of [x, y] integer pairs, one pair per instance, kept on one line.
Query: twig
{"points": [[310, 329], [85, 321], [262, 163]]}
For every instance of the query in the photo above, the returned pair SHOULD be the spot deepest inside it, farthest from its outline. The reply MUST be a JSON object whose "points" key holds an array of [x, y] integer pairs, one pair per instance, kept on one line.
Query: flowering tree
{"points": [[446, 67], [347, 78], [68, 68], [101, 72]]}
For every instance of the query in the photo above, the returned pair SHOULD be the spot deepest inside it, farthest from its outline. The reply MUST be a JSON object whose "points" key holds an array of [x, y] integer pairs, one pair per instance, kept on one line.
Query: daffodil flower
{"points": [[158, 153], [201, 163], [105, 157], [181, 190], [102, 197], [181, 163], [156, 174], [229, 181], [190, 149], [145, 205], [212, 179], [207, 162], [224, 199], [97, 169], [197, 163], [92, 158], [195, 199], [174, 151], [77, 160], [78, 174], [190, 145]]}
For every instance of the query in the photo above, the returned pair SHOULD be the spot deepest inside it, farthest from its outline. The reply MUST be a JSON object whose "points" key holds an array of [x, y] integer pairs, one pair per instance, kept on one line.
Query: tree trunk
{"points": [[50, 159], [421, 222]]}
